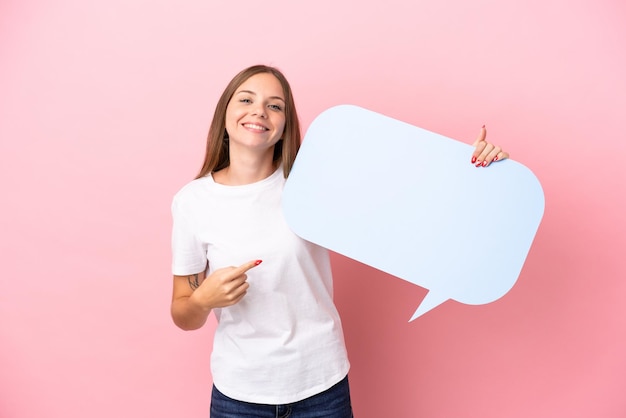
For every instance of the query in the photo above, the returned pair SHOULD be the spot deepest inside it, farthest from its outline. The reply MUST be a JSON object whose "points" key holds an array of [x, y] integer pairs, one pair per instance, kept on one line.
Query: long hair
{"points": [[285, 150]]}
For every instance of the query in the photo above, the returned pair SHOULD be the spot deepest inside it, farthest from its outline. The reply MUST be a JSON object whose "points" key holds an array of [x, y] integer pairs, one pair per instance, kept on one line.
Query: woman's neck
{"points": [[243, 171]]}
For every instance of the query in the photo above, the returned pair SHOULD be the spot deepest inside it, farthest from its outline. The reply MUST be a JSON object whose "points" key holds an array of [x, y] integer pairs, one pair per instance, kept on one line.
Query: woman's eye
{"points": [[245, 100], [275, 107]]}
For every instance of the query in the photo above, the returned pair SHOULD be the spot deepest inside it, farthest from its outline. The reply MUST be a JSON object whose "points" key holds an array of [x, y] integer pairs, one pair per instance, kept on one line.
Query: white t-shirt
{"points": [[283, 341]]}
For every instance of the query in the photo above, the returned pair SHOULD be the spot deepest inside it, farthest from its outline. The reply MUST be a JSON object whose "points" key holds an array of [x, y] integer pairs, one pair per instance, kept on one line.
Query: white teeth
{"points": [[253, 126]]}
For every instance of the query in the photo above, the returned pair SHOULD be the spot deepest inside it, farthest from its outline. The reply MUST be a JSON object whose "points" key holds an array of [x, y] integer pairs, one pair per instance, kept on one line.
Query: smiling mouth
{"points": [[255, 127]]}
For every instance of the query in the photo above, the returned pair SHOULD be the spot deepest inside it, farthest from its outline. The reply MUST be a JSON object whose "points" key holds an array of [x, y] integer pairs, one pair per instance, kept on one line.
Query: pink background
{"points": [[104, 109]]}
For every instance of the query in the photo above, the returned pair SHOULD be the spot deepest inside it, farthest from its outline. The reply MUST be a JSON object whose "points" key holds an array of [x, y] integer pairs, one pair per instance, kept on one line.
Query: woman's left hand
{"points": [[485, 152]]}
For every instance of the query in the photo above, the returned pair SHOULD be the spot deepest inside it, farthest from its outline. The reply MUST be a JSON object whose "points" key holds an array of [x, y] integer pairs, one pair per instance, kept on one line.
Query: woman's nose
{"points": [[259, 110]]}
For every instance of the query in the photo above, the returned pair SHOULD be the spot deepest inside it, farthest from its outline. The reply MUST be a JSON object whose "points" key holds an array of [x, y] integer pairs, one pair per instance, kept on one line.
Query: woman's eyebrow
{"points": [[253, 93]]}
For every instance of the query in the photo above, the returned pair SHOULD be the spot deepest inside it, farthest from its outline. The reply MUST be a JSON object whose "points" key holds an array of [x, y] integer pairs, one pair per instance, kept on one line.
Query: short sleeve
{"points": [[188, 252]]}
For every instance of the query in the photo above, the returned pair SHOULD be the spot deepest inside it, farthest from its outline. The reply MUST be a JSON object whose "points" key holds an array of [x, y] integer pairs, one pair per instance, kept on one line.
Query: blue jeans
{"points": [[332, 403]]}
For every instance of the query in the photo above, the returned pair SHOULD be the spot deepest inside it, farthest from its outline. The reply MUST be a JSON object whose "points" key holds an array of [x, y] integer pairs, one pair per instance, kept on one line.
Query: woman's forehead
{"points": [[262, 83]]}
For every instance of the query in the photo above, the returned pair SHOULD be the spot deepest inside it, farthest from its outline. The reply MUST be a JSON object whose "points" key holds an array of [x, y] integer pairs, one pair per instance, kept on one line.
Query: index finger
{"points": [[246, 266]]}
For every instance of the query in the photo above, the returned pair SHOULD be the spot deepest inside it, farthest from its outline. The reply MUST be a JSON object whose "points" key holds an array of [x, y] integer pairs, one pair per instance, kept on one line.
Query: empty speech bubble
{"points": [[409, 202]]}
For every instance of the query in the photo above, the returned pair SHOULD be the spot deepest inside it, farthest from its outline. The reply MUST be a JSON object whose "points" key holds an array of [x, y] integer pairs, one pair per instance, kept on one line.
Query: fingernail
{"points": [[496, 159], [256, 263], [473, 160], [479, 164], [483, 126], [484, 164]]}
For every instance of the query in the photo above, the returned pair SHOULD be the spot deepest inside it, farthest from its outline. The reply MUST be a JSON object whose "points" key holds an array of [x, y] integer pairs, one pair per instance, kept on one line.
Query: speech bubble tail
{"points": [[430, 301]]}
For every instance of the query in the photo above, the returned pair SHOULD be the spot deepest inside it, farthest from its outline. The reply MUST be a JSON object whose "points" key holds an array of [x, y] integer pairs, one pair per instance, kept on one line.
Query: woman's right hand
{"points": [[194, 296], [223, 287]]}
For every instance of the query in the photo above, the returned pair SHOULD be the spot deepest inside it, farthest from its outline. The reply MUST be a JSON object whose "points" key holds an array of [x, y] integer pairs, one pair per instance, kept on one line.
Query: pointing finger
{"points": [[245, 267]]}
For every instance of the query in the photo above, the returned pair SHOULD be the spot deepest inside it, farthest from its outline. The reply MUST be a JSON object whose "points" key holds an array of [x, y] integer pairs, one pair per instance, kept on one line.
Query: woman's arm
{"points": [[187, 314], [194, 296]]}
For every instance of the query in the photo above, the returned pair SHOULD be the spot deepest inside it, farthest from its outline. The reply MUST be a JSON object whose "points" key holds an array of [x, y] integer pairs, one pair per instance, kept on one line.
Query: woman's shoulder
{"points": [[193, 191]]}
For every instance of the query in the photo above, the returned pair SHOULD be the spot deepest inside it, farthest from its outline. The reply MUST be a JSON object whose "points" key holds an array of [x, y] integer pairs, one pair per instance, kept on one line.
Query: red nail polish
{"points": [[484, 164], [256, 263], [496, 159], [483, 126], [473, 160]]}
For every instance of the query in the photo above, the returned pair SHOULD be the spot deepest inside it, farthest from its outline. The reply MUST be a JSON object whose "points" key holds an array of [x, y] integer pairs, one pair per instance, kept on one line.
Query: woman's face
{"points": [[255, 115]]}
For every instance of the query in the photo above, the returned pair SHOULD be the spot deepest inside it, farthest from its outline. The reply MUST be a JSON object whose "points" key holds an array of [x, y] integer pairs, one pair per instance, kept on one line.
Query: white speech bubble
{"points": [[409, 202]]}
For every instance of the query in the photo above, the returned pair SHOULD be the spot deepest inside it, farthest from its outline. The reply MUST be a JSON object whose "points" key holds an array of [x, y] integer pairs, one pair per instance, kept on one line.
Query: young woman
{"points": [[278, 348]]}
